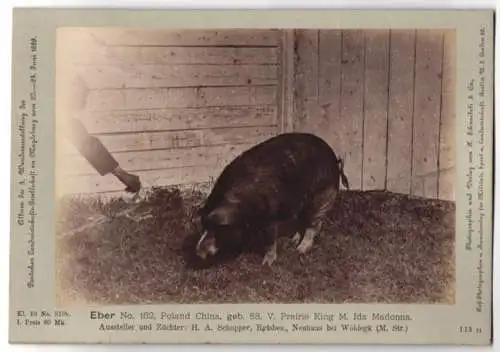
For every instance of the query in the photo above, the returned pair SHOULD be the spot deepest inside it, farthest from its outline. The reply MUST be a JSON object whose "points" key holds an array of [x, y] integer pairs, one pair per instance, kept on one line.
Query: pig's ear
{"points": [[224, 215]]}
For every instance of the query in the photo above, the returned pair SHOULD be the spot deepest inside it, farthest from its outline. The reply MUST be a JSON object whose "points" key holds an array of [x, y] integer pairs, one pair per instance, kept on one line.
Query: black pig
{"points": [[291, 178]]}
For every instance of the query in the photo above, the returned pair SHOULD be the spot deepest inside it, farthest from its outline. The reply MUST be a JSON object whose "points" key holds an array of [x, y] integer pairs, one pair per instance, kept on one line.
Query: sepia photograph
{"points": [[197, 166]]}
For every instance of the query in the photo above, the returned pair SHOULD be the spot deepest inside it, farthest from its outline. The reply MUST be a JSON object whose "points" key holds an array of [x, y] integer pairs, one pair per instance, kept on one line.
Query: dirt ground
{"points": [[377, 247]]}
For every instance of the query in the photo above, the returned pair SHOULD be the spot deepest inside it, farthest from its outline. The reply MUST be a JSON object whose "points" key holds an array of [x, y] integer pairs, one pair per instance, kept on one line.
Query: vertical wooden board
{"points": [[286, 113], [447, 184], [400, 114], [447, 147], [330, 50], [427, 110], [306, 80], [375, 109], [418, 185], [351, 108]]}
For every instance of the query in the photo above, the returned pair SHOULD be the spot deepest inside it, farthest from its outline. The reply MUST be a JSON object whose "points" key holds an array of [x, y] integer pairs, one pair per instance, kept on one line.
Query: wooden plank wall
{"points": [[176, 106], [172, 106], [384, 100]]}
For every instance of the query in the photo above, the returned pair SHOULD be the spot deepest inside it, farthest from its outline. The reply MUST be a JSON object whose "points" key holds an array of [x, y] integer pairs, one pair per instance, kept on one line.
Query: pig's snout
{"points": [[206, 246]]}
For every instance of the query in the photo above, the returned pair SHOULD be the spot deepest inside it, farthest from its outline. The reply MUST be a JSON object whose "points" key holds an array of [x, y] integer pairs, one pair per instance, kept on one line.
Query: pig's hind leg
{"points": [[271, 253], [299, 232], [274, 231], [297, 238], [320, 206]]}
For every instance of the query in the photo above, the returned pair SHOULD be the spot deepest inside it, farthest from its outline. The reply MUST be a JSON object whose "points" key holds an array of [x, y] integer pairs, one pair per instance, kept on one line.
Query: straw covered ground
{"points": [[376, 247]]}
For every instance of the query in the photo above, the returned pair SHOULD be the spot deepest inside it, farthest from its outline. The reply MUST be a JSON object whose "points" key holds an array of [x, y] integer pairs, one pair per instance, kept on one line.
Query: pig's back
{"points": [[290, 162]]}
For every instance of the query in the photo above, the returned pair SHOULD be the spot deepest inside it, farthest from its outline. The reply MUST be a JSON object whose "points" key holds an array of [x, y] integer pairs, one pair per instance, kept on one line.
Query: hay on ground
{"points": [[375, 247]]}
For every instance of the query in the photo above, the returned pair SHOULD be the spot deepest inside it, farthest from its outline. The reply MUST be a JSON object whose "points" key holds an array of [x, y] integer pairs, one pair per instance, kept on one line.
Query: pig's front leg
{"points": [[272, 249]]}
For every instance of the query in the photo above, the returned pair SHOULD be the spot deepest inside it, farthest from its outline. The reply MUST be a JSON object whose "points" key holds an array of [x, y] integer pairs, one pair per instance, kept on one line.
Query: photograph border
{"points": [[33, 248]]}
